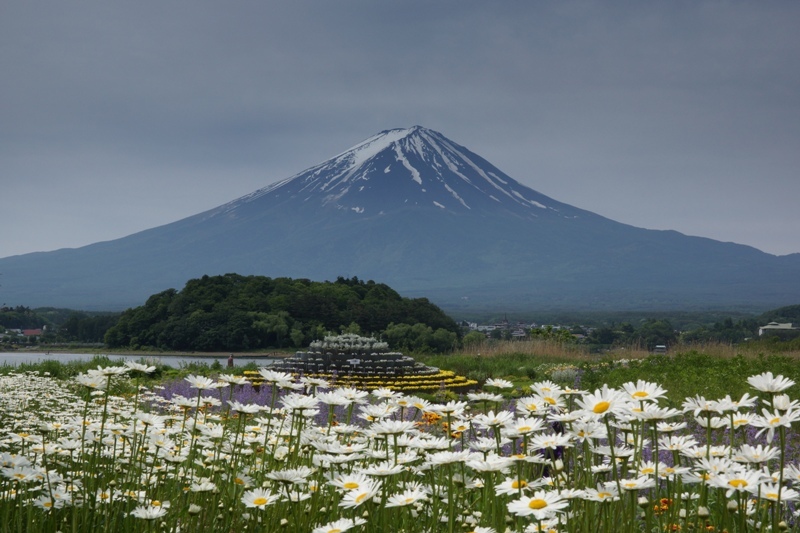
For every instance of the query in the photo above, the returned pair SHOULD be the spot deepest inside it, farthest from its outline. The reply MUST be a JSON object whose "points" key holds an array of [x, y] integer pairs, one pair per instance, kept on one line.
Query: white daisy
{"points": [[766, 382], [541, 505], [339, 526], [259, 498]]}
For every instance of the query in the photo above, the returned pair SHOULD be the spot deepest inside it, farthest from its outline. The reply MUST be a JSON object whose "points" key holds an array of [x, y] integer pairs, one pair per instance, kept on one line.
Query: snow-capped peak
{"points": [[408, 168], [367, 149]]}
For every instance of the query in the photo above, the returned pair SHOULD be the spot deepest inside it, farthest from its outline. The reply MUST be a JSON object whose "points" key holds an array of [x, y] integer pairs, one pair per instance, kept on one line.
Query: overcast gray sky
{"points": [[116, 117]]}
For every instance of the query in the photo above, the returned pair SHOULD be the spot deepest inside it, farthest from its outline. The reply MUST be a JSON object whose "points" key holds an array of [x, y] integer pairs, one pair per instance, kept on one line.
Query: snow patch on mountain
{"points": [[374, 175], [456, 196], [368, 149], [402, 158]]}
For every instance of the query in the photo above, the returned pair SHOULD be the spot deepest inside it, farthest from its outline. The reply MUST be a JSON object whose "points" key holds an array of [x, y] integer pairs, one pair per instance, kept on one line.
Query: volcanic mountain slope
{"points": [[410, 208]]}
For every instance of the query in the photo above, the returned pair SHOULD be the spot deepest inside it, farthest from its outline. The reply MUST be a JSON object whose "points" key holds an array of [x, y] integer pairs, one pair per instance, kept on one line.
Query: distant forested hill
{"points": [[790, 313], [234, 312]]}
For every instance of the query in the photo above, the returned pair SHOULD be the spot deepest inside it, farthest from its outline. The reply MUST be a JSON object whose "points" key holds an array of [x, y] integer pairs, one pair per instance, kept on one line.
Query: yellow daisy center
{"points": [[537, 504], [601, 407], [737, 483], [260, 501], [360, 497], [772, 495], [640, 394], [519, 484], [350, 485], [603, 495]]}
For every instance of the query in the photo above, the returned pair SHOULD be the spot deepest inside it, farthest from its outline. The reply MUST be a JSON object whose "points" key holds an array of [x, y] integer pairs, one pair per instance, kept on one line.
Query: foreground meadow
{"points": [[99, 452]]}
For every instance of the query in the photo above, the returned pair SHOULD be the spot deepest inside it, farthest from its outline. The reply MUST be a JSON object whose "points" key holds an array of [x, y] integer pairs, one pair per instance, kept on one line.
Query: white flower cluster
{"points": [[553, 460], [348, 343]]}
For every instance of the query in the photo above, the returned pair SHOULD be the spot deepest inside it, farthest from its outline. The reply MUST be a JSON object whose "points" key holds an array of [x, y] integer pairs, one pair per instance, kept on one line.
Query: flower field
{"points": [[214, 453]]}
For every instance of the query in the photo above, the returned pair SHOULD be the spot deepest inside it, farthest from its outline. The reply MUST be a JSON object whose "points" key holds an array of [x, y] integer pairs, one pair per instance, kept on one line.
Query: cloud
{"points": [[670, 115]]}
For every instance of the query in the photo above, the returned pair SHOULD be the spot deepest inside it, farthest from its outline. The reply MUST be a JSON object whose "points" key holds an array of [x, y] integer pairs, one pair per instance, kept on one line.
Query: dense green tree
{"points": [[21, 317], [604, 335], [474, 338], [82, 327], [790, 313], [233, 312], [444, 341], [654, 332], [552, 334], [725, 331]]}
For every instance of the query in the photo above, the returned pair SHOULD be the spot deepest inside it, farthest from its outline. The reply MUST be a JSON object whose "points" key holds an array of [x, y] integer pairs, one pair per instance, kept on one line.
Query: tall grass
{"points": [[545, 349], [560, 352], [709, 369], [60, 369]]}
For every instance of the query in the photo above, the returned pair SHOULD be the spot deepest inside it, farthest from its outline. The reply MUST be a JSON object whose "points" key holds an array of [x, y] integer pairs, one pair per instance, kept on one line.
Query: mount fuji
{"points": [[415, 210]]}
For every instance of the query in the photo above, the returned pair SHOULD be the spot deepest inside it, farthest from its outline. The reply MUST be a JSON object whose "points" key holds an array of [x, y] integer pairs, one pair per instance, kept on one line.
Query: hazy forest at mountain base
{"points": [[235, 313]]}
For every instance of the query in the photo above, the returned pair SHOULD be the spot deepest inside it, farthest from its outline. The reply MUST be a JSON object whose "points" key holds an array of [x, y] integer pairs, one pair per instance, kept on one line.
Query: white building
{"points": [[775, 327]]}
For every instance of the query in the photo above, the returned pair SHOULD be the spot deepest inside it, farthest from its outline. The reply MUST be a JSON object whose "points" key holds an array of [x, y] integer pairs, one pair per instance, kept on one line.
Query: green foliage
{"points": [[790, 313], [83, 327], [420, 338], [550, 333], [481, 368], [774, 344], [235, 313], [21, 317], [613, 335], [59, 369], [654, 332], [683, 374], [726, 331], [688, 374], [474, 338]]}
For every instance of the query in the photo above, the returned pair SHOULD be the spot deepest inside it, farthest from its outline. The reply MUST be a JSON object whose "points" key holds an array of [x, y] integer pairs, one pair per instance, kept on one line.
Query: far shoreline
{"points": [[145, 354]]}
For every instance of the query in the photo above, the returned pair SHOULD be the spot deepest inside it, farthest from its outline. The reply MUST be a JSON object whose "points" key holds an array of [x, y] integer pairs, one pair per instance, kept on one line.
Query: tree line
{"points": [[286, 313], [651, 332], [240, 313]]}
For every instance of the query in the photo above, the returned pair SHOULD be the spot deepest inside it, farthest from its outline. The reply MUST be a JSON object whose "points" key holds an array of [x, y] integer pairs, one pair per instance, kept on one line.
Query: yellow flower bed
{"points": [[446, 379]]}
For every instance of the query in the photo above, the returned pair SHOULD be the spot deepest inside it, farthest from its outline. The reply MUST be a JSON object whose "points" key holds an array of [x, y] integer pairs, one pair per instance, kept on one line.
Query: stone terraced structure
{"points": [[367, 363], [354, 356]]}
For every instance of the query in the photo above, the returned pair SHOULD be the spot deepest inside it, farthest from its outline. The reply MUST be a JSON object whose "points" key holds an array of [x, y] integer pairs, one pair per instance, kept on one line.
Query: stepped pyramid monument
{"points": [[368, 364]]}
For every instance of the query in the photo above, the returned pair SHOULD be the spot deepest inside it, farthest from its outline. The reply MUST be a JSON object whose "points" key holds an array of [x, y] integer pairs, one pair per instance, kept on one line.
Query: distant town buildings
{"points": [[16, 332], [515, 330], [781, 329]]}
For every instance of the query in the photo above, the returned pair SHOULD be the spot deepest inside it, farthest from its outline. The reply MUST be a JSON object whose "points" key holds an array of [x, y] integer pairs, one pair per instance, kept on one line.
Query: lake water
{"points": [[175, 361]]}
